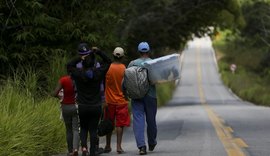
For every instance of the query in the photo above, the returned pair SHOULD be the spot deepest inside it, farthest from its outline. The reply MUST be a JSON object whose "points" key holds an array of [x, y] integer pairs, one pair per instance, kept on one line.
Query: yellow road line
{"points": [[233, 146]]}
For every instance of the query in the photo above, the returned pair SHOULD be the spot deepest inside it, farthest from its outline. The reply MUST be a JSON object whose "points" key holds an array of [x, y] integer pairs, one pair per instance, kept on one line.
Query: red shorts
{"points": [[118, 114]]}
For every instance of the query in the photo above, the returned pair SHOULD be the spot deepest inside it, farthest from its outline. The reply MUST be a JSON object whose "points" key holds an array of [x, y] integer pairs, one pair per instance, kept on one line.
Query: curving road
{"points": [[204, 118]]}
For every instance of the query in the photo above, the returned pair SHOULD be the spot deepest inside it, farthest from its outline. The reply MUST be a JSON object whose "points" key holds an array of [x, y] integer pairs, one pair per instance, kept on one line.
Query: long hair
{"points": [[89, 61]]}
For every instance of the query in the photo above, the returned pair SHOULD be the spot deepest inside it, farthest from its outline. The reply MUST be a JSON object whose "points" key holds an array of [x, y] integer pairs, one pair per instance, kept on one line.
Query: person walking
{"points": [[83, 51], [88, 80], [144, 109], [69, 113], [116, 108]]}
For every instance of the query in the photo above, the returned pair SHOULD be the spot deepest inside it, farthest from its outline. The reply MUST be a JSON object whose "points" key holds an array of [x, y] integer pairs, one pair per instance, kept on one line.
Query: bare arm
{"points": [[56, 90]]}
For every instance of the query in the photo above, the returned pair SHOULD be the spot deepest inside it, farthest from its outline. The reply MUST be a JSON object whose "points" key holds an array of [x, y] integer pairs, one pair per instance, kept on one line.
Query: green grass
{"points": [[165, 92], [55, 68], [29, 126], [248, 85]]}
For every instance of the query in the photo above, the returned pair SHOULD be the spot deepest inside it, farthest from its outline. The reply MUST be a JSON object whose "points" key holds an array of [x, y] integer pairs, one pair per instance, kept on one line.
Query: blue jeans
{"points": [[144, 109]]}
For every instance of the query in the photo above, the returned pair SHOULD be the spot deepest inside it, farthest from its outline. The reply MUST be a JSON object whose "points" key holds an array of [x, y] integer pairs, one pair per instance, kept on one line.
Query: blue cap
{"points": [[143, 47]]}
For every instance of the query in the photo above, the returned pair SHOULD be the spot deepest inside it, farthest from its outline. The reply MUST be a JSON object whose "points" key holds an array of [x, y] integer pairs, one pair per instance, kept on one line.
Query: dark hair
{"points": [[144, 53], [89, 61]]}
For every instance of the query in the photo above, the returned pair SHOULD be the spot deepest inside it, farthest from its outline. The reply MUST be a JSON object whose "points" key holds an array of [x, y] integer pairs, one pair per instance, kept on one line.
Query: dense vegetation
{"points": [[37, 38], [34, 30], [249, 49]]}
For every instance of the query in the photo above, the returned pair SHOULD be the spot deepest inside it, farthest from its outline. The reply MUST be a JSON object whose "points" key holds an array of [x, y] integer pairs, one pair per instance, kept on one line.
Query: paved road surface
{"points": [[204, 118]]}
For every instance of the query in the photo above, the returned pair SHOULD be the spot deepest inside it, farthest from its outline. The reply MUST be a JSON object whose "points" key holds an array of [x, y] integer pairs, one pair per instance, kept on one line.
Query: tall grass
{"points": [[28, 127], [27, 79], [247, 85], [55, 68]]}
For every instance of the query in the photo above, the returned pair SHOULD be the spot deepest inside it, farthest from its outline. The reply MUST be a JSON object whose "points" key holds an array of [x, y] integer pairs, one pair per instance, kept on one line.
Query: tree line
{"points": [[34, 31]]}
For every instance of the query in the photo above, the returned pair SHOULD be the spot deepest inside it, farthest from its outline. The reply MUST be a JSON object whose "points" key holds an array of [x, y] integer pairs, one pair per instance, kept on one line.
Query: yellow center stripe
{"points": [[233, 146]]}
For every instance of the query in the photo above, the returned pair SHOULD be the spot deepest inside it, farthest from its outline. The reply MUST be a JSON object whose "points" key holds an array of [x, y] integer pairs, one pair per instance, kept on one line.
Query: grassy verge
{"points": [[247, 83], [29, 126], [165, 92]]}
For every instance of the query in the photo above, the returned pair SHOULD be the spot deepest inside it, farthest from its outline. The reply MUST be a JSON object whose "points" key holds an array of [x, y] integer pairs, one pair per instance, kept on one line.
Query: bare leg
{"points": [[108, 148], [119, 134]]}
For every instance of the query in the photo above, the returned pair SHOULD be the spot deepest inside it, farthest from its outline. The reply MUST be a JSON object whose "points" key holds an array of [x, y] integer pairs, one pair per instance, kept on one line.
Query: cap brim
{"points": [[85, 52]]}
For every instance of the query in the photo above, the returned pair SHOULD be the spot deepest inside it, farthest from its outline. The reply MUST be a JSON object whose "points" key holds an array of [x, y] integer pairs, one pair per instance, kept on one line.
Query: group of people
{"points": [[91, 88]]}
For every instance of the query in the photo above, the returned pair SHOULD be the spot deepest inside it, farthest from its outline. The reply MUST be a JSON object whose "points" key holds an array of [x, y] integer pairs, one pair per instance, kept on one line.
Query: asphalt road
{"points": [[205, 118]]}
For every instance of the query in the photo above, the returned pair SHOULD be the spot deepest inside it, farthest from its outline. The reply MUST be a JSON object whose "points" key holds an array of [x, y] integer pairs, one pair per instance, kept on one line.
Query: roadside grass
{"points": [[29, 126], [246, 82], [165, 92], [55, 69], [248, 86]]}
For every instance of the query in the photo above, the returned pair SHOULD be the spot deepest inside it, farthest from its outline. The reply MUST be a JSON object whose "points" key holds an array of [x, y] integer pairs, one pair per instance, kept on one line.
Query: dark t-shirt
{"points": [[88, 82]]}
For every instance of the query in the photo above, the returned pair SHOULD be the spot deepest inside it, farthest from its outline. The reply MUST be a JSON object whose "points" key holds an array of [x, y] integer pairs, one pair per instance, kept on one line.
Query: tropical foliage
{"points": [[32, 30]]}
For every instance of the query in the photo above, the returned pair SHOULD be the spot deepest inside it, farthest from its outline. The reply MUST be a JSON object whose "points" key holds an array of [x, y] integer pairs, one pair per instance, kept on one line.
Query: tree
{"points": [[33, 30], [170, 23], [257, 17]]}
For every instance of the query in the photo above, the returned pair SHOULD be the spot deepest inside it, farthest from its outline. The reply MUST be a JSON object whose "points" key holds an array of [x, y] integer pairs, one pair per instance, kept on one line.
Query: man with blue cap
{"points": [[144, 109]]}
